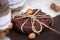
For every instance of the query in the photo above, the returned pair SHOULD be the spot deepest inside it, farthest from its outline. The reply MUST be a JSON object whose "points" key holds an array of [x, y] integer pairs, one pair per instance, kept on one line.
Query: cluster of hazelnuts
{"points": [[55, 7], [4, 33]]}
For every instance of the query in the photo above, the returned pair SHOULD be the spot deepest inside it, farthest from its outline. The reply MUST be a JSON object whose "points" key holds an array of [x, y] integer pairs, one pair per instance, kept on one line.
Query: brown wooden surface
{"points": [[45, 35]]}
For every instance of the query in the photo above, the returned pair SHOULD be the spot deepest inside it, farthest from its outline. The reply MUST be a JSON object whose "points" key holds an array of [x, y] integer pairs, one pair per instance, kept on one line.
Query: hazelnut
{"points": [[57, 8], [32, 36], [29, 11], [7, 31], [3, 34], [52, 5]]}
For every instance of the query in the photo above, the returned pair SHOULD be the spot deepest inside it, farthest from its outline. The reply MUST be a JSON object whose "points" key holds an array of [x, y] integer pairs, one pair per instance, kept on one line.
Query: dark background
{"points": [[45, 35]]}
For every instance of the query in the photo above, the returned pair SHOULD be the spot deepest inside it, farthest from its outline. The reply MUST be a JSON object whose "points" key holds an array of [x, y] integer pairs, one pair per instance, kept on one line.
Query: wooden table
{"points": [[45, 35]]}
